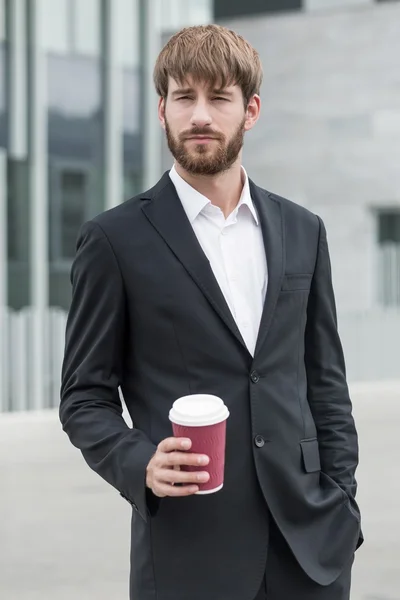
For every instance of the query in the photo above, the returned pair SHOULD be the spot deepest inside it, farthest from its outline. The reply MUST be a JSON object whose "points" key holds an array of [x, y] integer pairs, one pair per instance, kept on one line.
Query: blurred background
{"points": [[79, 134]]}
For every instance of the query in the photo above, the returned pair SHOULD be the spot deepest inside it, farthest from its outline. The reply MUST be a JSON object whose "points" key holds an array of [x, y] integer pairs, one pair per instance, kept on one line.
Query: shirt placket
{"points": [[233, 276]]}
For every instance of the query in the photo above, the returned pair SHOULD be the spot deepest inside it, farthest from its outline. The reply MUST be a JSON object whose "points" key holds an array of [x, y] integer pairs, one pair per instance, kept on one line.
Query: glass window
{"points": [[69, 209], [389, 257], [73, 204], [3, 99], [74, 91], [389, 227], [132, 143], [75, 160], [225, 9], [18, 215]]}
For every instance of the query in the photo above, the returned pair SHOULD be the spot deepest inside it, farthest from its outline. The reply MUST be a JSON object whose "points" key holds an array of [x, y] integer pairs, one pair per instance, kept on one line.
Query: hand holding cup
{"points": [[164, 469], [202, 418]]}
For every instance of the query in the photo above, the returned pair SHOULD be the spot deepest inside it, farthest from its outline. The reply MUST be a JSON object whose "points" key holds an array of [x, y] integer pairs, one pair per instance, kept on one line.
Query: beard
{"points": [[206, 159]]}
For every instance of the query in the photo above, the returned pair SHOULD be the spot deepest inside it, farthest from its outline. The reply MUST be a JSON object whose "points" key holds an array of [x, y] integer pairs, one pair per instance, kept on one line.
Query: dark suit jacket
{"points": [[148, 315]]}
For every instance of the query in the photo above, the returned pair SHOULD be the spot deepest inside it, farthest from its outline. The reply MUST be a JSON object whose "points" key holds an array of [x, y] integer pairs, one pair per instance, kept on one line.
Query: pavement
{"points": [[64, 533]]}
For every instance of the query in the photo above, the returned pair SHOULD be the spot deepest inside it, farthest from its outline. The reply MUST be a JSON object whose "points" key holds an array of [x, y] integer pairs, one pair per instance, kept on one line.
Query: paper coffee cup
{"points": [[202, 419]]}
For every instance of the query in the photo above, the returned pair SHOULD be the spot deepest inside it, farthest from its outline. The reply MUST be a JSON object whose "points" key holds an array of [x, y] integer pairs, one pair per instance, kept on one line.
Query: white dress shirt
{"points": [[235, 250]]}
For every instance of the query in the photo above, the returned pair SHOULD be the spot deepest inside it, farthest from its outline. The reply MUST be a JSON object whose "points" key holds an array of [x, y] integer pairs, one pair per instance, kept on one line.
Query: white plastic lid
{"points": [[198, 410]]}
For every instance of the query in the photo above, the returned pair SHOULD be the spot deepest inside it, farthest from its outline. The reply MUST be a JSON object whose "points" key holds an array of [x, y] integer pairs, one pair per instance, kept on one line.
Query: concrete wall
{"points": [[329, 134]]}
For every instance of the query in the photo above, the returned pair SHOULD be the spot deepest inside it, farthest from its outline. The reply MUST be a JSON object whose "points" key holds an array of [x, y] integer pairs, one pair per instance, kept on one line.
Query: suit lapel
{"points": [[165, 212], [271, 218]]}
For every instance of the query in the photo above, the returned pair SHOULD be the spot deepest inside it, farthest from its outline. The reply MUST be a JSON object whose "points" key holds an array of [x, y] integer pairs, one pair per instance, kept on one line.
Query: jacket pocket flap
{"points": [[296, 282], [310, 451]]}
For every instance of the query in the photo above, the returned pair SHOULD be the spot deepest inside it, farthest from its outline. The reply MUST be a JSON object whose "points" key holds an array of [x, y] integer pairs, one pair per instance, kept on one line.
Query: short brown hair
{"points": [[212, 54]]}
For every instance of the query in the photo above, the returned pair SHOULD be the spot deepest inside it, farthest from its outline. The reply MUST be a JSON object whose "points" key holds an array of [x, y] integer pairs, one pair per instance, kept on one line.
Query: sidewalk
{"points": [[65, 533]]}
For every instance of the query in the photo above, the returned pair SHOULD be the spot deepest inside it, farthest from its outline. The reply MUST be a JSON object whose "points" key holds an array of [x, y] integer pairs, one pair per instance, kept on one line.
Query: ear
{"points": [[161, 112], [252, 112]]}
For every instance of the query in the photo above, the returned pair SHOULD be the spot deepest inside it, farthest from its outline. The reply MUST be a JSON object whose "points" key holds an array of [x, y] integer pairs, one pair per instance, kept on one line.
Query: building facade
{"points": [[71, 92], [79, 133], [329, 133], [77, 136]]}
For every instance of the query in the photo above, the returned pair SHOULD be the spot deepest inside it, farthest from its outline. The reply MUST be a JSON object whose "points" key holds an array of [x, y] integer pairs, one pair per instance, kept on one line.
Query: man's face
{"points": [[204, 127]]}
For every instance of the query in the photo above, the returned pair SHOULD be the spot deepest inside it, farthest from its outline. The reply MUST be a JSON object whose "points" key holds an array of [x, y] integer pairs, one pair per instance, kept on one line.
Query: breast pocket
{"points": [[296, 282]]}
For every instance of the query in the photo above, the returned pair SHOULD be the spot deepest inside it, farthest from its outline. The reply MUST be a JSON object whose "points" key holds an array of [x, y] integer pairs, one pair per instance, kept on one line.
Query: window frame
{"points": [[384, 300], [58, 167]]}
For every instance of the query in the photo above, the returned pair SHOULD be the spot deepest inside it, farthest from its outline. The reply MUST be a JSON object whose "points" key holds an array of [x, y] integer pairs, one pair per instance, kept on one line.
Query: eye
{"points": [[183, 98], [220, 98]]}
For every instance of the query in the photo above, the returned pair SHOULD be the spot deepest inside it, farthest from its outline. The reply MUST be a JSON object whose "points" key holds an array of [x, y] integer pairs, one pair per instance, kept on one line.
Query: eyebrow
{"points": [[184, 91], [223, 92]]}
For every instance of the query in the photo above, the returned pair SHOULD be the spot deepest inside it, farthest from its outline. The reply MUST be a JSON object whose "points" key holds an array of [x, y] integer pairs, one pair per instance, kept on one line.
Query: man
{"points": [[209, 284]]}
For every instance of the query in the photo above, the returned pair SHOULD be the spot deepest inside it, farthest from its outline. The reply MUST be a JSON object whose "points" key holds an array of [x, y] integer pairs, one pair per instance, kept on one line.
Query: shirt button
{"points": [[254, 376], [259, 441]]}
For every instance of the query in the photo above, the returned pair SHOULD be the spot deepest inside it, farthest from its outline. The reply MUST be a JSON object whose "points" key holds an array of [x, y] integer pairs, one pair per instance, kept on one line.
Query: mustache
{"points": [[201, 131]]}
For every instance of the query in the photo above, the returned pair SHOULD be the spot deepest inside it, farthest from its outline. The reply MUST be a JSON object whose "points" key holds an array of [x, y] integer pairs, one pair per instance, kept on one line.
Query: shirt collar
{"points": [[193, 202], [246, 199]]}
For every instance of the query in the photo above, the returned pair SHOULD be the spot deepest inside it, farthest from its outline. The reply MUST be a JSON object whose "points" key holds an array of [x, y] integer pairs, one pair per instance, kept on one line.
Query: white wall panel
{"points": [[201, 12], [335, 4], [17, 92], [86, 26], [127, 23], [55, 16], [112, 109], [38, 197]]}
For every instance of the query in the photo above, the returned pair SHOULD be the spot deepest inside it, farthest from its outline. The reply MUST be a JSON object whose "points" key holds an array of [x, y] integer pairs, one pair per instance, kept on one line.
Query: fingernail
{"points": [[204, 460], [186, 444]]}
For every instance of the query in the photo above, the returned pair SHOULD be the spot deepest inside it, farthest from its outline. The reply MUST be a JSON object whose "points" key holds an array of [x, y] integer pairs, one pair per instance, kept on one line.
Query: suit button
{"points": [[254, 376], [259, 441]]}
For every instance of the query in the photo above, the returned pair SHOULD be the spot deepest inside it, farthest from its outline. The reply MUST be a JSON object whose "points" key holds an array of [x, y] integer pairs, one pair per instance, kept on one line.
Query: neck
{"points": [[223, 190]]}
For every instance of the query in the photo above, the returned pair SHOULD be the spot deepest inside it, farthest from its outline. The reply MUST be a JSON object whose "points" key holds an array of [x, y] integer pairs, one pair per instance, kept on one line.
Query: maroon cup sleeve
{"points": [[209, 440]]}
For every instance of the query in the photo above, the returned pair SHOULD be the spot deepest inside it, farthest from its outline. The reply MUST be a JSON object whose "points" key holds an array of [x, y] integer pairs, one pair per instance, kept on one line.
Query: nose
{"points": [[201, 115]]}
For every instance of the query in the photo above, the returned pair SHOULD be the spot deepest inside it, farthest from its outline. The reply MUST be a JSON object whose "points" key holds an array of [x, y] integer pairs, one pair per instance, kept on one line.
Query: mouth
{"points": [[201, 139]]}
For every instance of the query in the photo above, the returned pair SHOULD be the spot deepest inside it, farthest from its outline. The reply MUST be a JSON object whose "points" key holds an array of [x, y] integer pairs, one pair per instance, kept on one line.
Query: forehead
{"points": [[189, 84]]}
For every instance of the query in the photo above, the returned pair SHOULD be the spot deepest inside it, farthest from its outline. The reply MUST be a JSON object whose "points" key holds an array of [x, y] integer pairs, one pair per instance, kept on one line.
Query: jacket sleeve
{"points": [[90, 408], [328, 393]]}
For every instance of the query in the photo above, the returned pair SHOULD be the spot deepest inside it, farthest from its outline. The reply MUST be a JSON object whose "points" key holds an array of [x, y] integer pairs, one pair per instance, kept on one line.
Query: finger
{"points": [[175, 468], [164, 489], [172, 476], [174, 443], [185, 458]]}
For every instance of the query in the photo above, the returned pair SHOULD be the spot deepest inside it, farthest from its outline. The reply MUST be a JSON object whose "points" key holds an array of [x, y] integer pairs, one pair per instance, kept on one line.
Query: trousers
{"points": [[285, 579]]}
